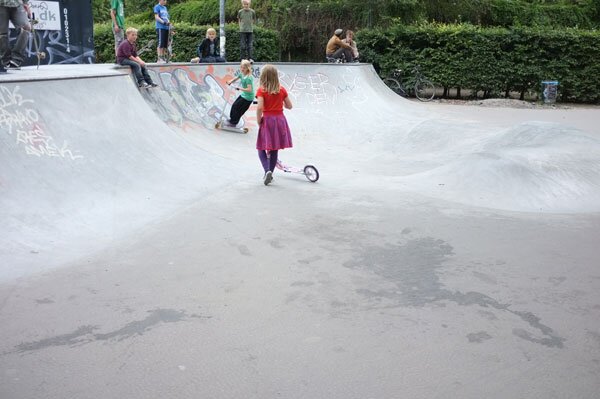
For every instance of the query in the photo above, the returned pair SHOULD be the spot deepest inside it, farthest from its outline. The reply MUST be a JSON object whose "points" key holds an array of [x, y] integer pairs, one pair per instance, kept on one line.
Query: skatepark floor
{"points": [[446, 251]]}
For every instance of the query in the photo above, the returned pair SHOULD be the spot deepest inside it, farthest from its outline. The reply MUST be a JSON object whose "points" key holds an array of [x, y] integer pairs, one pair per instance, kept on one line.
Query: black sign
{"points": [[65, 32]]}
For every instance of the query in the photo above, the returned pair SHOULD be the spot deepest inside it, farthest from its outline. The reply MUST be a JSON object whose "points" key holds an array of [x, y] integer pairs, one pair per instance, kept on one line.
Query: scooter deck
{"points": [[220, 126]]}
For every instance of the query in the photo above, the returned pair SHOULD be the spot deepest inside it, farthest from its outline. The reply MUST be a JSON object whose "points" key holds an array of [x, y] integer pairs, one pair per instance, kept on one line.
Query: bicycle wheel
{"points": [[395, 86], [424, 90]]}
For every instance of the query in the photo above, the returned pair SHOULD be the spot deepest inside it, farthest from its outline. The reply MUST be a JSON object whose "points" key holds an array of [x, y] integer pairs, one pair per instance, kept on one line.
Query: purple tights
{"points": [[268, 161]]}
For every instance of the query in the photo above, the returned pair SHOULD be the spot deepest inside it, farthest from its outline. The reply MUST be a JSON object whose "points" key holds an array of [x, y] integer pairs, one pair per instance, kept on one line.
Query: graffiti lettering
{"points": [[18, 115]]}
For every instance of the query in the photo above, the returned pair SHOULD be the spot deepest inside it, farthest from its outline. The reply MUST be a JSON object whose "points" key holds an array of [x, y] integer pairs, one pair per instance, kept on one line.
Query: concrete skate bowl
{"points": [[346, 119], [86, 161]]}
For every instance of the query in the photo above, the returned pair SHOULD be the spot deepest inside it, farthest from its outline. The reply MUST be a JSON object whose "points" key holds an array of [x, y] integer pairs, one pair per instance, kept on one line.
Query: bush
{"points": [[493, 60]]}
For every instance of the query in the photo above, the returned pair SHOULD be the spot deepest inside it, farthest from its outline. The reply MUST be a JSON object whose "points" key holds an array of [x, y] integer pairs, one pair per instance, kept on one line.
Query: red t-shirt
{"points": [[273, 103]]}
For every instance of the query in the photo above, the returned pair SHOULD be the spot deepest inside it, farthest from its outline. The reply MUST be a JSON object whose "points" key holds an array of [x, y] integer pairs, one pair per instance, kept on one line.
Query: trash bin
{"points": [[550, 91]]}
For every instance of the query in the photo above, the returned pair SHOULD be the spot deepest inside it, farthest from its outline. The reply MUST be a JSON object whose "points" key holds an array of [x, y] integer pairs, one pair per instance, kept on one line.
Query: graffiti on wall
{"points": [[19, 119], [64, 31], [194, 96], [199, 95]]}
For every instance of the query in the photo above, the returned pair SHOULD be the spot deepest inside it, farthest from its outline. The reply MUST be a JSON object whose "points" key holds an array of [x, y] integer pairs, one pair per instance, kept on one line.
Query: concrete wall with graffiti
{"points": [[65, 32], [190, 96]]}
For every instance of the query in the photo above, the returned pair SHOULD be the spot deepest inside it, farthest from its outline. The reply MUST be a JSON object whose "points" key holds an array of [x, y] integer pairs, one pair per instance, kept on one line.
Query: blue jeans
{"points": [[140, 72], [246, 45]]}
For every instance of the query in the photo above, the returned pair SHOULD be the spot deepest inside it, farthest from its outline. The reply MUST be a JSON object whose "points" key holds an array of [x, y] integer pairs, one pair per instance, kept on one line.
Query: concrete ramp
{"points": [[446, 252], [346, 119], [84, 162]]}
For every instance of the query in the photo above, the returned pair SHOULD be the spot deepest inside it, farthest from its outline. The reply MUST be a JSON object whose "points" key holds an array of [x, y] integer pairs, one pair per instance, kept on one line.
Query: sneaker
{"points": [[143, 85], [13, 65], [2, 69], [268, 178], [152, 84], [251, 61], [195, 60], [161, 61]]}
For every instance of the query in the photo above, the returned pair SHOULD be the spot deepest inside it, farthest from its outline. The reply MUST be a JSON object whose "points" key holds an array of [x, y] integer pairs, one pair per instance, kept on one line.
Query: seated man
{"points": [[349, 40], [127, 55], [337, 49]]}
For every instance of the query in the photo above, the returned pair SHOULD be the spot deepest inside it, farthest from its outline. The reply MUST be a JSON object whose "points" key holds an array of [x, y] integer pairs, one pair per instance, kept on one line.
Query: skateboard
{"points": [[146, 47], [222, 125], [41, 55], [169, 54]]}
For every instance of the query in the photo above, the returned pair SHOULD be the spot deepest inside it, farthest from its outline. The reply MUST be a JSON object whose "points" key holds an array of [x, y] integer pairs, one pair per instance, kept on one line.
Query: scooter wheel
{"points": [[311, 173]]}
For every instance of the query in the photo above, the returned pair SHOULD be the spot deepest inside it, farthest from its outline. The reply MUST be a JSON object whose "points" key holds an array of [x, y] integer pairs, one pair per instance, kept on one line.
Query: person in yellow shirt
{"points": [[338, 50]]}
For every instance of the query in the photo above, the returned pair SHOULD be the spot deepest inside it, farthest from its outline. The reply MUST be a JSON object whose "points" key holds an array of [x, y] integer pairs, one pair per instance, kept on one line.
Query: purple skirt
{"points": [[273, 133]]}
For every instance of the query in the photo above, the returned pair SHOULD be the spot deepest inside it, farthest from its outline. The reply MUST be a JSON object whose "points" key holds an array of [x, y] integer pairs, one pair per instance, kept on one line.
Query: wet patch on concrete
{"points": [[307, 261], [44, 301], [478, 337], [302, 284], [244, 250], [276, 244], [413, 266], [87, 334]]}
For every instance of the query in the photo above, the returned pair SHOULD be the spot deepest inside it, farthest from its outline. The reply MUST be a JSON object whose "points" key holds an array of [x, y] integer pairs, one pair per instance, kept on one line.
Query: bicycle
{"points": [[422, 88]]}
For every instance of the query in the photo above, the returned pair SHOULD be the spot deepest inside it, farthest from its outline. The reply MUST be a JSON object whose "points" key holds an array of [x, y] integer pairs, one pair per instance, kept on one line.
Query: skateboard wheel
{"points": [[42, 55], [245, 130]]}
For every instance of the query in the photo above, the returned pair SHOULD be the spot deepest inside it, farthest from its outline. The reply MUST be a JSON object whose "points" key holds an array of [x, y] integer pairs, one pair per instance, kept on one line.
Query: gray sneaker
{"points": [[143, 85], [268, 178]]}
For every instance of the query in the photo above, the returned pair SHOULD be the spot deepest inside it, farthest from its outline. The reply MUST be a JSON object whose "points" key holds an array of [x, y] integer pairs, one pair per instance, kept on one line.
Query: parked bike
{"points": [[419, 85]]}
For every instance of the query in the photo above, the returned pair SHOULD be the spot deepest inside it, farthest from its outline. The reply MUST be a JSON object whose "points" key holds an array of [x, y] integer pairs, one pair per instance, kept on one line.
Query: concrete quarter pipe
{"points": [[443, 253]]}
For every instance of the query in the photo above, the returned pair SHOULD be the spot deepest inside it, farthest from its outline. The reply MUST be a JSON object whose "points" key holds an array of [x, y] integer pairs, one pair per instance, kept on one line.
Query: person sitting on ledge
{"points": [[127, 55], [338, 50], [208, 50]]}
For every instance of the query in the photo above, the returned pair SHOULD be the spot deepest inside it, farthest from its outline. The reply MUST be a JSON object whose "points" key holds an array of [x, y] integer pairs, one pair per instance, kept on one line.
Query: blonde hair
{"points": [[246, 64], [269, 79], [210, 30], [131, 30]]}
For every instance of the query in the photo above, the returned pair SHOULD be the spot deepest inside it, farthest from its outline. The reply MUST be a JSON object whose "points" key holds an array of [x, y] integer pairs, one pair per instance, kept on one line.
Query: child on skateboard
{"points": [[273, 132], [244, 101]]}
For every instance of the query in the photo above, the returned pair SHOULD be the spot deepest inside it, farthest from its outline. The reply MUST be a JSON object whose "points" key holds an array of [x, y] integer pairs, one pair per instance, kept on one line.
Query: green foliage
{"points": [[494, 61], [185, 42]]}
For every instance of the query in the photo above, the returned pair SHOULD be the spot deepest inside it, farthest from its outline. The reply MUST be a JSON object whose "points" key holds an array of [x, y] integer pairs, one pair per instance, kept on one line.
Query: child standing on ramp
{"points": [[244, 101], [273, 132]]}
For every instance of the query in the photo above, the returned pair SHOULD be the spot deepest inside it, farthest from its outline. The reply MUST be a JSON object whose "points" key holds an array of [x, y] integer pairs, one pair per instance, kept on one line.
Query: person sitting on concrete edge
{"points": [[338, 50], [17, 12], [127, 55], [209, 49], [349, 40]]}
